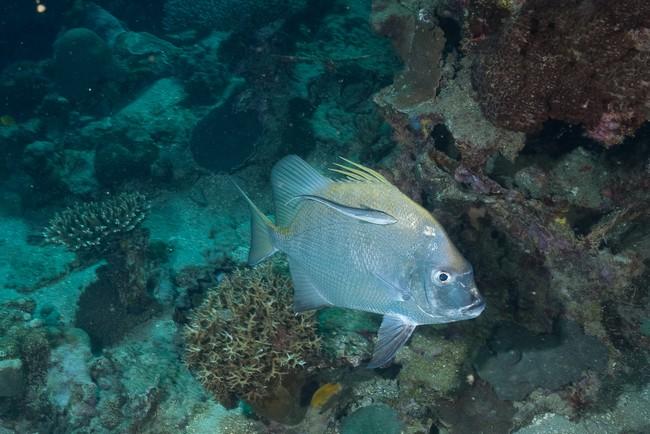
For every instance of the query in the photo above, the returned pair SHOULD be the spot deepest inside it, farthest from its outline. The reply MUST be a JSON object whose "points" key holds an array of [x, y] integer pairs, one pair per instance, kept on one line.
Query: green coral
{"points": [[245, 339]]}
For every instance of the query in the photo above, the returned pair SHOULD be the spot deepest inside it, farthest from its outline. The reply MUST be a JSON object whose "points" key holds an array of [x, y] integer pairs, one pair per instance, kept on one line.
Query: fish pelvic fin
{"points": [[262, 232], [291, 177], [393, 334]]}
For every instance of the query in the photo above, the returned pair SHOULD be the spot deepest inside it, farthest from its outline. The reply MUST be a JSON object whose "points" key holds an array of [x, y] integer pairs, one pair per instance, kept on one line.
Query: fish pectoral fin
{"points": [[306, 295], [393, 334], [368, 215]]}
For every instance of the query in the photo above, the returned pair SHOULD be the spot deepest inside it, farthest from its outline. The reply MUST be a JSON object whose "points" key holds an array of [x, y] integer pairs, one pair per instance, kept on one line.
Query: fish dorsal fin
{"points": [[358, 172], [393, 334], [292, 176]]}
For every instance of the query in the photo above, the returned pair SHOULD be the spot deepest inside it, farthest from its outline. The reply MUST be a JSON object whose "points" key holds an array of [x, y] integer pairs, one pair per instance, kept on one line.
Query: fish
{"points": [[358, 242], [365, 214]]}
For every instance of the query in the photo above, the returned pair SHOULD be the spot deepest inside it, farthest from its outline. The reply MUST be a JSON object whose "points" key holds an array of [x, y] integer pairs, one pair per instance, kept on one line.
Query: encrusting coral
{"points": [[579, 62], [88, 225], [245, 339]]}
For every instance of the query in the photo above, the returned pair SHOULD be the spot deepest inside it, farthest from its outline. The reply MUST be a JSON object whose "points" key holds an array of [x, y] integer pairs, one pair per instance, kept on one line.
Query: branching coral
{"points": [[88, 226], [245, 339]]}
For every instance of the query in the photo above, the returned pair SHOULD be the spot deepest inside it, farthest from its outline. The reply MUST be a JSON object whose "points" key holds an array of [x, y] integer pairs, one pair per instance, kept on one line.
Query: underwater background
{"points": [[126, 302]]}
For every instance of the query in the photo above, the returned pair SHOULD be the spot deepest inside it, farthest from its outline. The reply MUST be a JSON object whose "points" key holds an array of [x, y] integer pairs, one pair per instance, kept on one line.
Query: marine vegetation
{"points": [[362, 244], [244, 339]]}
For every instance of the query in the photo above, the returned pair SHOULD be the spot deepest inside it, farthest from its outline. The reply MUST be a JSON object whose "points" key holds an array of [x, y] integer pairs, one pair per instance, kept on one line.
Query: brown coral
{"points": [[245, 339], [582, 62]]}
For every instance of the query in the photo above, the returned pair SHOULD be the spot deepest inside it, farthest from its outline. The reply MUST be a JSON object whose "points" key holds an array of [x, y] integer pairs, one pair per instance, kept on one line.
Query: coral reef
{"points": [[373, 418], [556, 360], [92, 225], [568, 62], [520, 124], [249, 317], [81, 61], [225, 15], [432, 366]]}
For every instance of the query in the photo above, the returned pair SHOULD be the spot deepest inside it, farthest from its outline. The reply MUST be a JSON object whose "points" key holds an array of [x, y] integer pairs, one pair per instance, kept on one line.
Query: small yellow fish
{"points": [[324, 394], [7, 121], [360, 243]]}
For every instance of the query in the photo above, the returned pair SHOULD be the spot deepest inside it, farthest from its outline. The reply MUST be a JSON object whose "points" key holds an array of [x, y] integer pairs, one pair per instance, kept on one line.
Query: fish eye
{"points": [[442, 277]]}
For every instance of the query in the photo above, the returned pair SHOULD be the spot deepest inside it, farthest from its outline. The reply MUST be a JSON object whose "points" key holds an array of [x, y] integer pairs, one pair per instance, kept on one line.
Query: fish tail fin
{"points": [[262, 232], [291, 177]]}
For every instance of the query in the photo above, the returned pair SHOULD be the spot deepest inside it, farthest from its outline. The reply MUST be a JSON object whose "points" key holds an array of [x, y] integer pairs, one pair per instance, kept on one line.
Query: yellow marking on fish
{"points": [[324, 394]]}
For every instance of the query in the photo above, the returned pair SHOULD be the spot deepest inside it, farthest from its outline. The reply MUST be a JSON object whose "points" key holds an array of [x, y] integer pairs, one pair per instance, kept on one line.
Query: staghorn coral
{"points": [[90, 225], [244, 340]]}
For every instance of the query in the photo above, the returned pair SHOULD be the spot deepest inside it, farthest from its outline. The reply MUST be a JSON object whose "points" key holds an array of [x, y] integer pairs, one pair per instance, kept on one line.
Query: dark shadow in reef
{"points": [[226, 137]]}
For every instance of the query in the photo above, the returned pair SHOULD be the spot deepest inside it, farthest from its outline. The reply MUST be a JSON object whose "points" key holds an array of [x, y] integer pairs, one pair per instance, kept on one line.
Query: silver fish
{"points": [[345, 250], [365, 214]]}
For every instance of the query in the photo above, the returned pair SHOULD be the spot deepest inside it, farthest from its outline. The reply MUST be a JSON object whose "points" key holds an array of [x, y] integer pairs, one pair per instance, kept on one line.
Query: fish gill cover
{"points": [[519, 126]]}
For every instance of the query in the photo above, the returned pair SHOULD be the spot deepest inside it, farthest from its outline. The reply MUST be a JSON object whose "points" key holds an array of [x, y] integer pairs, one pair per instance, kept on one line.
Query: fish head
{"points": [[449, 290]]}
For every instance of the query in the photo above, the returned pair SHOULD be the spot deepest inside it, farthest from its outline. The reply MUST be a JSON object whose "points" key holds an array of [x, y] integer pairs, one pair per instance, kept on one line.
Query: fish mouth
{"points": [[474, 309]]}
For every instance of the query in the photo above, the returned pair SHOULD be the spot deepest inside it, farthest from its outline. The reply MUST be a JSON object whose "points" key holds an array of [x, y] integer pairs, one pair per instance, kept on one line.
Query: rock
{"points": [[226, 136], [145, 54], [78, 171], [477, 409], [102, 22], [378, 418], [580, 178], [431, 365], [69, 387], [115, 163], [546, 62], [81, 60], [11, 377], [225, 15], [516, 361]]}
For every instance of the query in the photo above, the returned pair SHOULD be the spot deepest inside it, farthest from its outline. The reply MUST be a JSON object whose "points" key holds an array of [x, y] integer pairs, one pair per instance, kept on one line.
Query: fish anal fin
{"points": [[393, 334], [306, 295]]}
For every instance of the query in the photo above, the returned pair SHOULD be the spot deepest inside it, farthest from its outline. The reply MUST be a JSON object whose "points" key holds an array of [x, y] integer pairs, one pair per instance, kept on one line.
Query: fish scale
{"points": [[360, 243]]}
